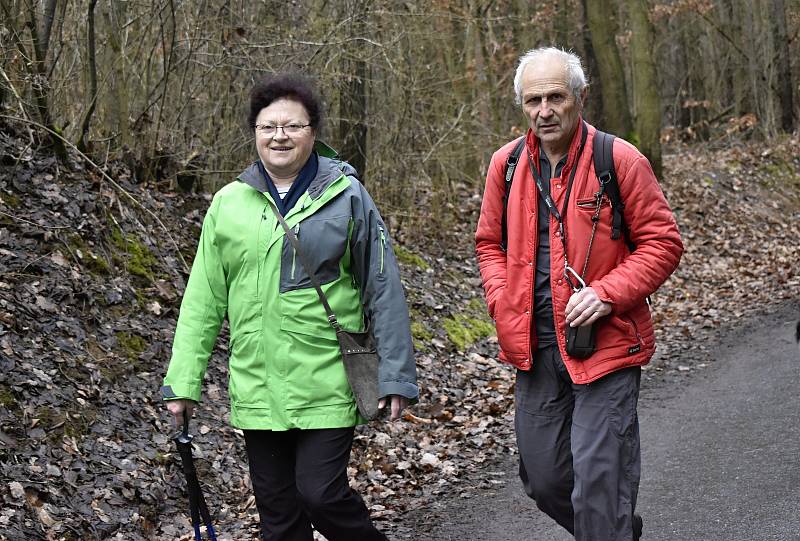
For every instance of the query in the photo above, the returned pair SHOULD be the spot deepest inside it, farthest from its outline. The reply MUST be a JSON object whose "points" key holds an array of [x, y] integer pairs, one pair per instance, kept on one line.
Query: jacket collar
{"points": [[328, 170], [532, 144]]}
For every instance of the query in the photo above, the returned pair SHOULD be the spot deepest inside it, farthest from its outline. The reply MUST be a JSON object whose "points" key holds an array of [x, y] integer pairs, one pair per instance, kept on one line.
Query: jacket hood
{"points": [[330, 168]]}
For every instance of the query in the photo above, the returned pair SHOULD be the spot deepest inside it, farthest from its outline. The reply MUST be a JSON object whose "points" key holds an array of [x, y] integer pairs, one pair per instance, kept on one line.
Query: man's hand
{"points": [[180, 407], [585, 307], [398, 404]]}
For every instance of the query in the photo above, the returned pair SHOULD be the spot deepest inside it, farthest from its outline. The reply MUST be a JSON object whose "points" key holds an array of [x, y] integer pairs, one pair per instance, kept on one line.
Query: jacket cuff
{"points": [[402, 388], [602, 294], [175, 391]]}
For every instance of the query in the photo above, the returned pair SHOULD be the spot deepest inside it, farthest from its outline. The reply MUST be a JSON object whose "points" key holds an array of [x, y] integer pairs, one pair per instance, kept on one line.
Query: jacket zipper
{"points": [[383, 246], [294, 252], [635, 328], [259, 263]]}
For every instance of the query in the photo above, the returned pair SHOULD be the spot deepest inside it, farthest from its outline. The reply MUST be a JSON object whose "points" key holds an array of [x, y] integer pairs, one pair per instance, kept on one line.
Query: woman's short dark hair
{"points": [[294, 86]]}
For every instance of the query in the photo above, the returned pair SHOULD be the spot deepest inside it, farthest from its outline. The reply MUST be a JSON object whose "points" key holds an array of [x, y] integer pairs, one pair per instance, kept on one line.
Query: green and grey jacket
{"points": [[285, 366]]}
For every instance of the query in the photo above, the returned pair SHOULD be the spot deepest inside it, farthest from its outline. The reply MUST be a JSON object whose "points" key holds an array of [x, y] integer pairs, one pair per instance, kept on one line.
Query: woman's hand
{"points": [[180, 407], [398, 404]]}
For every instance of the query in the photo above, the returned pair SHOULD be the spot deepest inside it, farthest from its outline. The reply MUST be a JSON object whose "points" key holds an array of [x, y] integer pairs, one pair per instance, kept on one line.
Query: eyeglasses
{"points": [[289, 129]]}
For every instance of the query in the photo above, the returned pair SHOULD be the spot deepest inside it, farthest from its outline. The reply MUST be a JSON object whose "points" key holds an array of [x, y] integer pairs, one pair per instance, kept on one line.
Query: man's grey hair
{"points": [[576, 79]]}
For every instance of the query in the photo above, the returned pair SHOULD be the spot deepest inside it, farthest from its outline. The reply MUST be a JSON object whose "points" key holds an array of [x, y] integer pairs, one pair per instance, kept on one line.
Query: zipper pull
{"points": [[383, 247]]}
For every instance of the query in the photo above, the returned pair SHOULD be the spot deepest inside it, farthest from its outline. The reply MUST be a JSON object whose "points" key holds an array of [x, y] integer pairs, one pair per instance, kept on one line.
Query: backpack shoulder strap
{"points": [[511, 166], [603, 154], [602, 151]]}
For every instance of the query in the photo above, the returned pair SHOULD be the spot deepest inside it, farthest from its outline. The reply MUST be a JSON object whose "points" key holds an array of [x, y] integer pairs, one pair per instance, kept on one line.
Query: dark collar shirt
{"points": [[542, 294]]}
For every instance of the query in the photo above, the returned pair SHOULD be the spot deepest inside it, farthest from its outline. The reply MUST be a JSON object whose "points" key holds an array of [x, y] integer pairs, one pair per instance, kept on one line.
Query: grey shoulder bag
{"points": [[359, 354]]}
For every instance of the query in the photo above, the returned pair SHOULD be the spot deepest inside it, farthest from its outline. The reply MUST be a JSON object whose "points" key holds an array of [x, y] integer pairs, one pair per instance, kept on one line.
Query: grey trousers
{"points": [[579, 447]]}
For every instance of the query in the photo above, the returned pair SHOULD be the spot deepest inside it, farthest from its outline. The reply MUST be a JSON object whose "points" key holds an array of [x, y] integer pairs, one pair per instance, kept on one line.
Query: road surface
{"points": [[721, 455]]}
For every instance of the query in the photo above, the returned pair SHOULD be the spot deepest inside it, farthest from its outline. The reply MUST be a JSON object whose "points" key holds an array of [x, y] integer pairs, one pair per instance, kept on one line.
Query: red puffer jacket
{"points": [[620, 277]]}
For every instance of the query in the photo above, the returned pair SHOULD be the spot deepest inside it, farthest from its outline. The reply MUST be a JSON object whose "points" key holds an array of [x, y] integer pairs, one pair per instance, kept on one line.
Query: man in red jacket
{"points": [[576, 423]]}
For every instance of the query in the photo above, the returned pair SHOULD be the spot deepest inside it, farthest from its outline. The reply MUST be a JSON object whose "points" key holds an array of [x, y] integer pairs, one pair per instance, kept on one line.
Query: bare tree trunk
{"points": [[115, 57], [784, 67], [679, 85], [593, 108], [524, 37], [563, 25], [647, 102], [90, 47], [725, 60], [40, 39], [478, 59], [697, 78], [603, 29], [46, 26], [353, 97], [167, 52], [733, 12]]}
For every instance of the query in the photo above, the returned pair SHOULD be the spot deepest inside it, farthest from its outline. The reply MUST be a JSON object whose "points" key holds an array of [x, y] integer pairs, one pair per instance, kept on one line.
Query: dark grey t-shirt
{"points": [[542, 295]]}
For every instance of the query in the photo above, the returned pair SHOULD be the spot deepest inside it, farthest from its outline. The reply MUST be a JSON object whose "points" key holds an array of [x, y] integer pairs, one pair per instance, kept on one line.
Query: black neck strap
{"points": [[545, 194]]}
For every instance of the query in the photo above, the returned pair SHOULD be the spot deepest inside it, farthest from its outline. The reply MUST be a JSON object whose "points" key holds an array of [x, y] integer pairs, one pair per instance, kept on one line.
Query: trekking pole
{"points": [[197, 503]]}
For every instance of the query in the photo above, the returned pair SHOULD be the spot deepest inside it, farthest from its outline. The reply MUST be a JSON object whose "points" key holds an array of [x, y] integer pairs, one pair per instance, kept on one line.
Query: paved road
{"points": [[721, 456]]}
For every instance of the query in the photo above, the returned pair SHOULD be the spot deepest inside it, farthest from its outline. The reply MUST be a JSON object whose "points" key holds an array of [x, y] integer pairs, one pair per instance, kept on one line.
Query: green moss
{"points": [[141, 299], [138, 259], [421, 335], [410, 258], [477, 306], [464, 331], [96, 264], [419, 331], [130, 345], [11, 200], [7, 398]]}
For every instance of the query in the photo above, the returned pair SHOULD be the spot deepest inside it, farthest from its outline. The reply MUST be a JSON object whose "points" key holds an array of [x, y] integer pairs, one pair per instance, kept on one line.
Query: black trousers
{"points": [[579, 447], [300, 478]]}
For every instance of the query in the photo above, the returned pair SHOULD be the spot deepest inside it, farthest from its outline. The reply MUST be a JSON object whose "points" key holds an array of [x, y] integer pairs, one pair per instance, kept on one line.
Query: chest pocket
{"points": [[589, 204], [323, 242]]}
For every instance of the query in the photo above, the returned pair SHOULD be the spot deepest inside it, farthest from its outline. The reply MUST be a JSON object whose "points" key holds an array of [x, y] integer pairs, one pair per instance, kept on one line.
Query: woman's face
{"points": [[284, 154]]}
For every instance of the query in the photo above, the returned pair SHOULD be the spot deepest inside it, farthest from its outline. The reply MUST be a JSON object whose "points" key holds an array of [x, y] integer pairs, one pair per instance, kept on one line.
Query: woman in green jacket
{"points": [[288, 389]]}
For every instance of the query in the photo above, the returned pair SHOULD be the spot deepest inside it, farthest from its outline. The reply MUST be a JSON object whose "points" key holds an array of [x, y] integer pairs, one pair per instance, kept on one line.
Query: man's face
{"points": [[550, 106]]}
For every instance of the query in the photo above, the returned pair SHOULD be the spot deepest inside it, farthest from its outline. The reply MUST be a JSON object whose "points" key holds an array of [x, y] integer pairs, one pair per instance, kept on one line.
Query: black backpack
{"points": [[602, 150]]}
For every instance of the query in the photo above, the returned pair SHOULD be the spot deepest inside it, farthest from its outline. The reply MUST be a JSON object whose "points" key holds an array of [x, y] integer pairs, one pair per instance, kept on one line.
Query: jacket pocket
{"points": [[590, 204], [302, 311], [495, 308], [323, 242], [247, 383], [618, 332], [513, 331], [314, 370]]}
